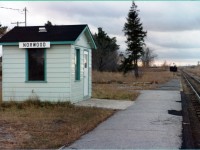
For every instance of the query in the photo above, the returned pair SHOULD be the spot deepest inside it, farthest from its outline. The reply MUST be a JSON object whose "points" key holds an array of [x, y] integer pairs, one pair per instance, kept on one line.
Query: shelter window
{"points": [[77, 64], [36, 64]]}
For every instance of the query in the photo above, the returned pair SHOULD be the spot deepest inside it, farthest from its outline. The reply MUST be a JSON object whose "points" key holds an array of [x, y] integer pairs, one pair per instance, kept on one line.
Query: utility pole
{"points": [[25, 10], [25, 19]]}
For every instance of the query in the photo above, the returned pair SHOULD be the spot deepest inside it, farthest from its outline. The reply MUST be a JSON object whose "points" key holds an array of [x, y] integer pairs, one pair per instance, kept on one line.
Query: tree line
{"points": [[107, 56], [3, 30]]}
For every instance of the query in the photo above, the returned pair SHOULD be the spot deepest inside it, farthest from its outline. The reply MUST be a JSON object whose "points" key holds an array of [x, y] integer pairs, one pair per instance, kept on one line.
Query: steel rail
{"points": [[196, 93], [192, 77]]}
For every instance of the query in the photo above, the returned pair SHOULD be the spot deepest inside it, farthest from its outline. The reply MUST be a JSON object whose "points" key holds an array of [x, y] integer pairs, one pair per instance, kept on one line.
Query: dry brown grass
{"points": [[194, 70], [158, 77], [115, 85], [44, 125], [111, 91]]}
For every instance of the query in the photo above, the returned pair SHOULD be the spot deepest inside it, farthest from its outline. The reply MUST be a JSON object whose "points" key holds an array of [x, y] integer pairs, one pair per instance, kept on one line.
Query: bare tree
{"points": [[165, 65], [148, 57]]}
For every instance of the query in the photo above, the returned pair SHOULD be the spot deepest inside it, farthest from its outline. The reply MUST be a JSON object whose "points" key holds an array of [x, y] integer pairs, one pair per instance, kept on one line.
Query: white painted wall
{"points": [[0, 50], [77, 86], [82, 41], [60, 71]]}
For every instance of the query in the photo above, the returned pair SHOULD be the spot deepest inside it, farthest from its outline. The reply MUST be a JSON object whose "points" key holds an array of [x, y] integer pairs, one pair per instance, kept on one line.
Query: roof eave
{"points": [[86, 29], [62, 42], [51, 42], [9, 43]]}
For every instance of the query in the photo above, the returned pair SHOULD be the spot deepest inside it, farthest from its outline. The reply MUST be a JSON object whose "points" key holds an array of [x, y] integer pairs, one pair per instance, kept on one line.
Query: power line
{"points": [[10, 8], [25, 10], [17, 23]]}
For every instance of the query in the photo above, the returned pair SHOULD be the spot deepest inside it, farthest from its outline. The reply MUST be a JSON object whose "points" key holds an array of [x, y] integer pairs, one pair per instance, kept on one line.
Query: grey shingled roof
{"points": [[54, 33]]}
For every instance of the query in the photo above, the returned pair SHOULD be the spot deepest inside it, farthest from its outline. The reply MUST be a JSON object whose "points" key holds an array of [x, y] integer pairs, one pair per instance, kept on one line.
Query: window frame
{"points": [[27, 69], [77, 64]]}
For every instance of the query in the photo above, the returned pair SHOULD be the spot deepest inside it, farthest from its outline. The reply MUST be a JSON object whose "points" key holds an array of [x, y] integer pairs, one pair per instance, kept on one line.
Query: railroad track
{"points": [[194, 85], [193, 82], [191, 92]]}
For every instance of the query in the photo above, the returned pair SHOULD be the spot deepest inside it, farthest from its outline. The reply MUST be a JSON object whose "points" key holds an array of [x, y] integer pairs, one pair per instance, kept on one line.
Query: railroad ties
{"points": [[192, 90], [194, 84]]}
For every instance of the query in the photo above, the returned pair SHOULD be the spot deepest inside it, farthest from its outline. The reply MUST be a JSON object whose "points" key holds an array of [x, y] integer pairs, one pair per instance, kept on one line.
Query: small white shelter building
{"points": [[51, 63]]}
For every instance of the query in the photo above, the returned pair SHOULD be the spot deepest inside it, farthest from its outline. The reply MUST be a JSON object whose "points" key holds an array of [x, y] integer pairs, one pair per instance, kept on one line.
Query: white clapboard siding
{"points": [[13, 61], [13, 66], [75, 92], [13, 80], [13, 70], [90, 72], [82, 41], [58, 70], [60, 82], [15, 56], [77, 87], [21, 80], [35, 85], [51, 99], [58, 56], [41, 94], [12, 50], [54, 98], [57, 73], [39, 90], [65, 49], [14, 75], [57, 65]]}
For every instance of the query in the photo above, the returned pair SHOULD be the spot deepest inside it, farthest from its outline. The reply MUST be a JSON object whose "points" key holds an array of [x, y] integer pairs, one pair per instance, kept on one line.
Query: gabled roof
{"points": [[60, 33]]}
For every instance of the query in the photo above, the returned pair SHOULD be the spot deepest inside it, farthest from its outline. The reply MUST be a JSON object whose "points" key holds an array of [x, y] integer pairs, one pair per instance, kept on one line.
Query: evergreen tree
{"points": [[105, 57], [48, 24], [135, 35]]}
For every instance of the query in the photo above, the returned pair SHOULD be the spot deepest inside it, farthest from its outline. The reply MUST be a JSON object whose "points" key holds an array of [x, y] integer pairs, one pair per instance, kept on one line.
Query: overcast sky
{"points": [[173, 27]]}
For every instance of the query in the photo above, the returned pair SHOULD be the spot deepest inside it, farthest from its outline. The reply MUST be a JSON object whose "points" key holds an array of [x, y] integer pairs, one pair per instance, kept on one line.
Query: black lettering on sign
{"points": [[24, 44], [33, 44]]}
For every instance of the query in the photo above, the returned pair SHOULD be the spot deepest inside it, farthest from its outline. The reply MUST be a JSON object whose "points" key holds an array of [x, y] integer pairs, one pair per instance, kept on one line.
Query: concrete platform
{"points": [[109, 104], [145, 125], [173, 84]]}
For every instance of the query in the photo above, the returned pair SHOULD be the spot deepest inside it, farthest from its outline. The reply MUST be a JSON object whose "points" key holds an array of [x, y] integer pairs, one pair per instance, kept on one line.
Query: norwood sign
{"points": [[34, 44]]}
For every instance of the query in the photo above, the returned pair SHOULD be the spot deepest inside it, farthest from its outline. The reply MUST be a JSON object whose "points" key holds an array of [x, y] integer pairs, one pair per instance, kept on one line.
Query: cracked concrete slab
{"points": [[103, 103], [146, 124], [173, 84]]}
